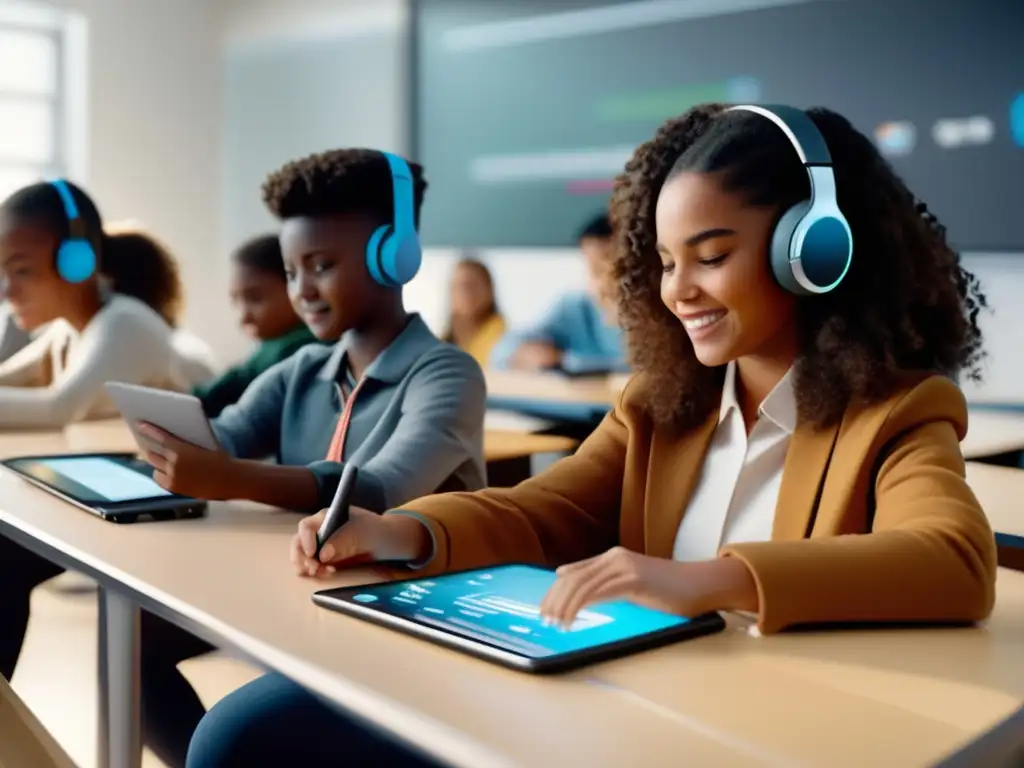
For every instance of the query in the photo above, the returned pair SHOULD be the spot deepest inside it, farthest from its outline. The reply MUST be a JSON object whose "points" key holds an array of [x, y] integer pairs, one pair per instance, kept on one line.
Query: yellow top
{"points": [[485, 338]]}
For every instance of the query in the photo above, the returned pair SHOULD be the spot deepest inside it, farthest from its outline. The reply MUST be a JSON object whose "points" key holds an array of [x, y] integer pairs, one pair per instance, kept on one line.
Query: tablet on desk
{"points": [[179, 414], [116, 486], [493, 613]]}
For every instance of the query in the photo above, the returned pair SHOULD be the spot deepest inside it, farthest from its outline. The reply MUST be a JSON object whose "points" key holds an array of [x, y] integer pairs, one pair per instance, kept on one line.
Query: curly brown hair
{"points": [[339, 181], [139, 265], [905, 306]]}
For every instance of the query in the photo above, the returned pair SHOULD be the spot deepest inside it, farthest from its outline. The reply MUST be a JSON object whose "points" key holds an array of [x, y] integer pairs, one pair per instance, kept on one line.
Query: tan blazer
{"points": [[24, 743], [874, 522]]}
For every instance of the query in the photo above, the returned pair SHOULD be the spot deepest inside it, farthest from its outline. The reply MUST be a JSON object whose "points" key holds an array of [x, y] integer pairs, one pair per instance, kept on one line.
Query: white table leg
{"points": [[120, 731]]}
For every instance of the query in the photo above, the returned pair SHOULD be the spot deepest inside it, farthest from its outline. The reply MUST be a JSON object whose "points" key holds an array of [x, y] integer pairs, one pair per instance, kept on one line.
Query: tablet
{"points": [[116, 486], [492, 613], [174, 412]]}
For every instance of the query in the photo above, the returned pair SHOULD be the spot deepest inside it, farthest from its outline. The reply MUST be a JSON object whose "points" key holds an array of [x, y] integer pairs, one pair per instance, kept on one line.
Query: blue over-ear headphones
{"points": [[393, 254], [812, 246], [76, 258]]}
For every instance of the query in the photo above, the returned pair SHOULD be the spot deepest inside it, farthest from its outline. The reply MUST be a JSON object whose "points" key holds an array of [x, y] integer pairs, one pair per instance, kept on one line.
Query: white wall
{"points": [[147, 136], [527, 280]]}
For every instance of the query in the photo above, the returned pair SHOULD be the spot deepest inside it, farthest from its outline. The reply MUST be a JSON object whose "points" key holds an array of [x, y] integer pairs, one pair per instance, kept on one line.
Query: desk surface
{"points": [[1000, 491], [989, 432], [728, 699], [113, 435]]}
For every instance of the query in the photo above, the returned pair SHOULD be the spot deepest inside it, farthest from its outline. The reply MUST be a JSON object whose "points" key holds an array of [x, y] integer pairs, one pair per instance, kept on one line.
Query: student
{"points": [[793, 456], [259, 288], [53, 249], [389, 397], [156, 281], [61, 268], [580, 333], [474, 324]]}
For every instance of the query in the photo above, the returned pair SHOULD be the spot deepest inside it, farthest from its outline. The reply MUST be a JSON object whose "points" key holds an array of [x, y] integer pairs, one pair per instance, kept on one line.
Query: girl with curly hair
{"points": [[789, 446]]}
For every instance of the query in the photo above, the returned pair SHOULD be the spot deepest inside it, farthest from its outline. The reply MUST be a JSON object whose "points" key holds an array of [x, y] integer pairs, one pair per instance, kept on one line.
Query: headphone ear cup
{"points": [[402, 259], [781, 248], [76, 261], [374, 254]]}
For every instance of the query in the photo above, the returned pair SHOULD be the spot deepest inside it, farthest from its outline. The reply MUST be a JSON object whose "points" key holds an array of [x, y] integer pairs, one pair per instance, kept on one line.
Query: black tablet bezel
{"points": [[338, 599], [156, 507]]}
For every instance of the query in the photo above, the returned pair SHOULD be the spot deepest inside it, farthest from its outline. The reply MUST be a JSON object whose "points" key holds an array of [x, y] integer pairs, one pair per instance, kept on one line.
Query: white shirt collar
{"points": [[779, 407]]}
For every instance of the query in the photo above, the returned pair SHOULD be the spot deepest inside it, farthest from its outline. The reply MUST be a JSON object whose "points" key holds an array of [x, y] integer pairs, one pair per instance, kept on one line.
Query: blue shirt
{"points": [[576, 326], [416, 425]]}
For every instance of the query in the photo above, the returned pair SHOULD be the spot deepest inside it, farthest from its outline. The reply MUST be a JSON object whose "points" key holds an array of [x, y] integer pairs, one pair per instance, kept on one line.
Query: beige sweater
{"points": [[59, 377]]}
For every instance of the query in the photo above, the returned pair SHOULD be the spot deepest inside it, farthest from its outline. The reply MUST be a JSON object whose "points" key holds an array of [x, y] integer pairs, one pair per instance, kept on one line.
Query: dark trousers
{"points": [[274, 722], [171, 710]]}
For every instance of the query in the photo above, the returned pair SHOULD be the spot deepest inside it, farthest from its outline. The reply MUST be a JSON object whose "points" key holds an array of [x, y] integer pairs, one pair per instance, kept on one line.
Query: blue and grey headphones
{"points": [[812, 246], [394, 254], [76, 258]]}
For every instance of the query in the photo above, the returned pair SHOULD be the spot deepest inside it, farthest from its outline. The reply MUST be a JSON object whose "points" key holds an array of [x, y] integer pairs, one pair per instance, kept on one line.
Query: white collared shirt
{"points": [[738, 488]]}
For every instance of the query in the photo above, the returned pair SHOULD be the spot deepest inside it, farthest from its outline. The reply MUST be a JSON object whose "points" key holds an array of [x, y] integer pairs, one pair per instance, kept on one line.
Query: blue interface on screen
{"points": [[108, 479], [500, 606]]}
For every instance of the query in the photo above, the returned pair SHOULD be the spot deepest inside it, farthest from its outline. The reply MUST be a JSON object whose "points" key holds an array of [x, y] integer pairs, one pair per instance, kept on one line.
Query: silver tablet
{"points": [[179, 414]]}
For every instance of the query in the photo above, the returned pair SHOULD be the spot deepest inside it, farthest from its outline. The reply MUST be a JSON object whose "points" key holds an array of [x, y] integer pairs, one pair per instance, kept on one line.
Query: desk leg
{"points": [[120, 732]]}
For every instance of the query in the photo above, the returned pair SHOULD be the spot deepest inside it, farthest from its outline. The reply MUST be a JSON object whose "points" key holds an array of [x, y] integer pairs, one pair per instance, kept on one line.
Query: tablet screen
{"points": [[94, 479], [499, 606]]}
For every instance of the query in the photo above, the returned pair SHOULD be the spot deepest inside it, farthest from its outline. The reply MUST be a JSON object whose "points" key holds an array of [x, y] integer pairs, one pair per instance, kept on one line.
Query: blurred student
{"points": [[103, 298], [789, 447], [259, 289], [580, 333], [157, 282], [389, 397], [475, 324], [59, 267]]}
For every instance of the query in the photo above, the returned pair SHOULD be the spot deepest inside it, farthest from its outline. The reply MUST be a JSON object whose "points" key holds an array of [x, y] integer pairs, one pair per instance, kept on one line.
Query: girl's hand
{"points": [[187, 469], [686, 589], [366, 537]]}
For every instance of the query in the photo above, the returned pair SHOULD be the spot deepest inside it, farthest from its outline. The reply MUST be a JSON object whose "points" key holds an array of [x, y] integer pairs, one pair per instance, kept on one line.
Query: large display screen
{"points": [[526, 110]]}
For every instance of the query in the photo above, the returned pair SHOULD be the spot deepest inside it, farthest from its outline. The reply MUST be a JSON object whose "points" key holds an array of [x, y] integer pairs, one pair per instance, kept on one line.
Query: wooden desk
{"points": [[113, 435], [993, 433], [1001, 491], [550, 395], [855, 698]]}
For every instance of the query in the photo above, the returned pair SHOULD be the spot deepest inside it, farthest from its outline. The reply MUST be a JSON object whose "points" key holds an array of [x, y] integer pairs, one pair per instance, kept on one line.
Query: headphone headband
{"points": [[811, 245], [402, 192], [801, 131]]}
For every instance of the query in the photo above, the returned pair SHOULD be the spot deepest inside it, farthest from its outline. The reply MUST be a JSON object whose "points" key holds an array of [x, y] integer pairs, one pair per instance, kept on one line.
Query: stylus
{"points": [[337, 513]]}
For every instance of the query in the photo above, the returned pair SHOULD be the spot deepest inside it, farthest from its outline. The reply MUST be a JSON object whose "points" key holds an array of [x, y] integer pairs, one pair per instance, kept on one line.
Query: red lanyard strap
{"points": [[337, 449]]}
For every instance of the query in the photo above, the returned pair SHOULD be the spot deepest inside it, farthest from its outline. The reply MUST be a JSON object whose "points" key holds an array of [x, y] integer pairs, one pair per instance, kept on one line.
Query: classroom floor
{"points": [[57, 674]]}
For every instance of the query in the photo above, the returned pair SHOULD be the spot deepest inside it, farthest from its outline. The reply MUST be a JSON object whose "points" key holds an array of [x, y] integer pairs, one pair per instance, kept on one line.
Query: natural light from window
{"points": [[31, 95]]}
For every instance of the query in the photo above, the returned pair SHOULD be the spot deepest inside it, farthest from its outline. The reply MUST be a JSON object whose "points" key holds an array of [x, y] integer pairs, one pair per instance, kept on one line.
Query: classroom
{"points": [[511, 383]]}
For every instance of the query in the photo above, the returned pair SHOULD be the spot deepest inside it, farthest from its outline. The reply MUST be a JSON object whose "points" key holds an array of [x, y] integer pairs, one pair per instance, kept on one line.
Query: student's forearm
{"points": [[277, 486]]}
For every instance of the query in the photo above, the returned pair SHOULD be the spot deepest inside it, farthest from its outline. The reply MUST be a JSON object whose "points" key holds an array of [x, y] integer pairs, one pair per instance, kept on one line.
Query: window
{"points": [[31, 95]]}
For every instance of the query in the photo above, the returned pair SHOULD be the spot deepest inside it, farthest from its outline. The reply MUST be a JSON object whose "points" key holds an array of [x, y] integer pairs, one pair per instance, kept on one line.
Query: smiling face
{"points": [[716, 274], [36, 293], [328, 281]]}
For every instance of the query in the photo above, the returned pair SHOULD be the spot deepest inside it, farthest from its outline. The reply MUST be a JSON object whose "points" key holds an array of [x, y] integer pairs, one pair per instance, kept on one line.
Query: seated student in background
{"points": [[791, 455], [390, 397], [259, 289], [157, 283], [62, 270], [474, 324], [53, 248], [580, 333]]}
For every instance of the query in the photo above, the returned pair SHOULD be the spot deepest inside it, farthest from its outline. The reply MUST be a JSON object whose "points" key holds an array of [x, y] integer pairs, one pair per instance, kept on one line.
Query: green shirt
{"points": [[227, 388]]}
